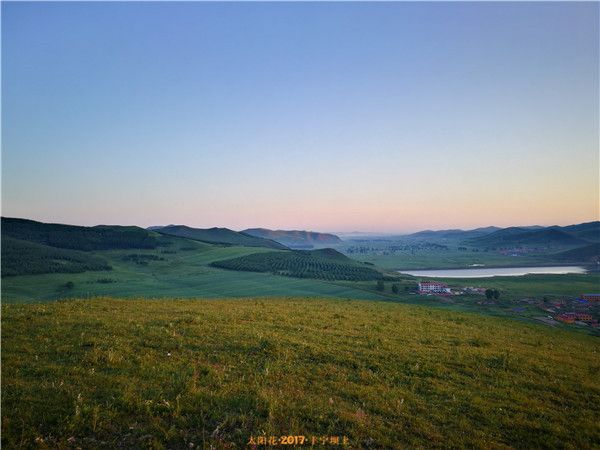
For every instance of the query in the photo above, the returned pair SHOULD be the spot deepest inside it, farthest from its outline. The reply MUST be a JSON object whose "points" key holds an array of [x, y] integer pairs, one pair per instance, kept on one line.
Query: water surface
{"points": [[493, 272]]}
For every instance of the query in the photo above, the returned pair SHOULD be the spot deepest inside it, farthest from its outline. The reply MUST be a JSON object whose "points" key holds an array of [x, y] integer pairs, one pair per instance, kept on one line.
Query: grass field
{"points": [[525, 298], [185, 273], [517, 287], [535, 285], [405, 253], [450, 259], [108, 373]]}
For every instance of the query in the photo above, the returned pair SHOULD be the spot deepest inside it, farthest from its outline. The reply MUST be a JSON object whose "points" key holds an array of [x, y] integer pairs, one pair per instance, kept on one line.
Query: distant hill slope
{"points": [[520, 236], [101, 237], [446, 234], [325, 264], [219, 236], [295, 238], [589, 230], [495, 236], [587, 253], [30, 258]]}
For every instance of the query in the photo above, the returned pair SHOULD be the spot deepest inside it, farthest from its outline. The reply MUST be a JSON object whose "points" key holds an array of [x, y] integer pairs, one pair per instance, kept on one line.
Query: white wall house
{"points": [[433, 287]]}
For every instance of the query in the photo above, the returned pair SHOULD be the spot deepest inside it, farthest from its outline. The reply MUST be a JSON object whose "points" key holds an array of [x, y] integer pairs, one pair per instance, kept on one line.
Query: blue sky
{"points": [[330, 116]]}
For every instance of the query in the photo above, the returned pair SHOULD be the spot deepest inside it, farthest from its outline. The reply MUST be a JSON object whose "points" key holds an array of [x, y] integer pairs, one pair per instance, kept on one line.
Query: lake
{"points": [[493, 272]]}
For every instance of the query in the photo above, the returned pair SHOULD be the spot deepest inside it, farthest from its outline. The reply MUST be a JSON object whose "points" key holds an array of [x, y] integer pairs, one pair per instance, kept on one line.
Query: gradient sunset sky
{"points": [[388, 117]]}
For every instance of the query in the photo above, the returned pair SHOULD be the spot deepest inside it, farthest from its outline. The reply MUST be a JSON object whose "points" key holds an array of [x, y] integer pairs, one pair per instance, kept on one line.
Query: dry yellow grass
{"points": [[105, 373]]}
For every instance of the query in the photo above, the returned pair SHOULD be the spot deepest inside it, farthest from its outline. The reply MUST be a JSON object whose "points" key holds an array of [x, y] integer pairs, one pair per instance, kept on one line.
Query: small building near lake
{"points": [[433, 287]]}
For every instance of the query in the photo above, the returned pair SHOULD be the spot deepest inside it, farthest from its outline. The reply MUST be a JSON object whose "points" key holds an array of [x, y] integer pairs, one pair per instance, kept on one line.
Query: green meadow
{"points": [[538, 285], [449, 259], [111, 373], [184, 273], [177, 343], [552, 286]]}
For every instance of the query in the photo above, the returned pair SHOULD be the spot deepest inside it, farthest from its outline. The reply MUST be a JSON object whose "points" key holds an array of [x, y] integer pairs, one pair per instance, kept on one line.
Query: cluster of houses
{"points": [[572, 317], [438, 288], [578, 317], [591, 298], [580, 307]]}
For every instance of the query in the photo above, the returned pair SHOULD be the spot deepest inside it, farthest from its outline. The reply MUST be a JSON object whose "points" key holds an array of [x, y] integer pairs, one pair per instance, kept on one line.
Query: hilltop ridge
{"points": [[223, 236], [295, 238]]}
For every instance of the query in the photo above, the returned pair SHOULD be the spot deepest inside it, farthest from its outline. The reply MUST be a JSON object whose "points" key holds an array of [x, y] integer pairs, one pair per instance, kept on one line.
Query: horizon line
{"points": [[357, 232]]}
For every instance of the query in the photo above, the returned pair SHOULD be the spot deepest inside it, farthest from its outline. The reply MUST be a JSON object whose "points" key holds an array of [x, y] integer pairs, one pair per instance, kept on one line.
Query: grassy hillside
{"points": [[518, 236], [441, 258], [535, 285], [325, 264], [223, 236], [588, 230], [587, 253], [176, 266], [181, 269], [295, 238], [26, 258], [523, 298], [73, 237], [189, 374], [451, 234]]}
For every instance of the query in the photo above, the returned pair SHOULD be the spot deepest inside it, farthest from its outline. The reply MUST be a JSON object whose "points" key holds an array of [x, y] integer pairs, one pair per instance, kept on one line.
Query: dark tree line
{"points": [[28, 258], [79, 238], [301, 265], [492, 294]]}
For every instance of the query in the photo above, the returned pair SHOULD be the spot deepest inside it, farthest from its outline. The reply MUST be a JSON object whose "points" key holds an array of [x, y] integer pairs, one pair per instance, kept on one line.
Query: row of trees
{"points": [[492, 294], [301, 265], [28, 258], [78, 238], [380, 286]]}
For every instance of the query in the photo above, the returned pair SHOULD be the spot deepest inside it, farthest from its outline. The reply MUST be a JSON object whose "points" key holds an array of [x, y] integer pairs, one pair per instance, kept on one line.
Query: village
{"points": [[583, 310]]}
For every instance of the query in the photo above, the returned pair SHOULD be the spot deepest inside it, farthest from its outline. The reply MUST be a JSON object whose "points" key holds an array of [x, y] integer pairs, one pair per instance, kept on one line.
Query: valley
{"points": [[191, 338], [299, 225]]}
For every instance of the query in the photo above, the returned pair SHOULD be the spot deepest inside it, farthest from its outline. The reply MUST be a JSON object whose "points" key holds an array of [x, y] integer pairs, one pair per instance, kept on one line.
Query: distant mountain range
{"points": [[491, 237], [295, 238], [30, 247], [464, 234], [572, 235], [223, 236]]}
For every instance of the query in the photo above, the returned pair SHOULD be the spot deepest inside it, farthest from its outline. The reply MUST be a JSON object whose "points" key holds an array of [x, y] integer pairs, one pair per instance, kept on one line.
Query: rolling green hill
{"points": [[452, 234], [223, 236], [175, 374], [101, 237], [589, 230], [587, 253], [175, 266], [179, 268], [325, 264], [519, 236], [295, 238], [530, 235], [28, 258]]}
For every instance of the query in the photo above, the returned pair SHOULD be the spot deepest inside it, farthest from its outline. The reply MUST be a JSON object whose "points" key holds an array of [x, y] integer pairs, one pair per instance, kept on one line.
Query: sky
{"points": [[382, 117]]}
